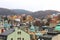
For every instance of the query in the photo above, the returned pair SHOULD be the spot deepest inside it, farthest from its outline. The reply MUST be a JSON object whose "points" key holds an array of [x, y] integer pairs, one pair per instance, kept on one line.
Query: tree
{"points": [[59, 17], [37, 23]]}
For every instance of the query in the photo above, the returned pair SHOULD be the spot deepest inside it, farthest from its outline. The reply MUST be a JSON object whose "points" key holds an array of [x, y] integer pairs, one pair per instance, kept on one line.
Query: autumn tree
{"points": [[59, 17], [37, 23]]}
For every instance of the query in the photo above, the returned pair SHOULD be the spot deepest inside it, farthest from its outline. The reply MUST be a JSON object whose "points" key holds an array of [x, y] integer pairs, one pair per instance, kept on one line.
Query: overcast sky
{"points": [[31, 5]]}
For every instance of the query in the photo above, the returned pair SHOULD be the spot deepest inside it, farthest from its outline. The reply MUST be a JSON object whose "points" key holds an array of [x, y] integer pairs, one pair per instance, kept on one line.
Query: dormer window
{"points": [[19, 32]]}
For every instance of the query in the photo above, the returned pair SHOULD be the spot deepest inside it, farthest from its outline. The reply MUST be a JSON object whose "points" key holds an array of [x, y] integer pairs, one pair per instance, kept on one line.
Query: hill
{"points": [[21, 11], [44, 13], [4, 11]]}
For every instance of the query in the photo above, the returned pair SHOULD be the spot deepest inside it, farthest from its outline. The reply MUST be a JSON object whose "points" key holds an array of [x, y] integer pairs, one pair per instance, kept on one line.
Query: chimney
{"points": [[2, 30]]}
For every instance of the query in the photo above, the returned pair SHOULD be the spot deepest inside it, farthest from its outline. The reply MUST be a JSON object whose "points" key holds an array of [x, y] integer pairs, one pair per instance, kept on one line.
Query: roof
{"points": [[7, 32], [47, 36], [57, 27], [39, 34], [32, 28]]}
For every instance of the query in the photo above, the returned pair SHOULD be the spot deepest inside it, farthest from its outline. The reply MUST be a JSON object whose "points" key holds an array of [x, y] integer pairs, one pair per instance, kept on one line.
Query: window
{"points": [[18, 38], [19, 32], [22, 38], [11, 38]]}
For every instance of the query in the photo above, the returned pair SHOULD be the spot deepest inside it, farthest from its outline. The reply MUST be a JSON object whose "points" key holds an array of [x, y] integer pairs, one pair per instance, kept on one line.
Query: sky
{"points": [[31, 5]]}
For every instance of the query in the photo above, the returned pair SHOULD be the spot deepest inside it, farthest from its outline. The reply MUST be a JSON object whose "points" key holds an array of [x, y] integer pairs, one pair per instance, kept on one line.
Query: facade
{"points": [[15, 34], [1, 24]]}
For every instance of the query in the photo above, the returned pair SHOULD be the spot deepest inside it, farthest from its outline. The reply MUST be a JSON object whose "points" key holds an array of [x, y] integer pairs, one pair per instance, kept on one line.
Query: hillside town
{"points": [[27, 27]]}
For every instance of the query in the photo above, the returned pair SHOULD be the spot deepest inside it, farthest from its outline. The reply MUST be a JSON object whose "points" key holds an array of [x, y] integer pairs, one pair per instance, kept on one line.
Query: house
{"points": [[6, 25], [57, 28], [53, 22], [48, 37], [29, 18], [1, 24], [34, 32], [14, 34], [4, 35]]}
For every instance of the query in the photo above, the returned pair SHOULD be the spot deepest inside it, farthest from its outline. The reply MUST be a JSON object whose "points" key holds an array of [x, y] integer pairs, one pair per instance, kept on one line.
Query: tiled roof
{"points": [[7, 32]]}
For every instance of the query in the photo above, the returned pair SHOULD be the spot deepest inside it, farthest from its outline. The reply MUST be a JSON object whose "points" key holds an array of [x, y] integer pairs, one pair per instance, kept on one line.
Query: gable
{"points": [[18, 33]]}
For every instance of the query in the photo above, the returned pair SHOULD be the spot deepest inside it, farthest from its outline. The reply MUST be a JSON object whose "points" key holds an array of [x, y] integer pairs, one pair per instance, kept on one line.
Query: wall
{"points": [[22, 35]]}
